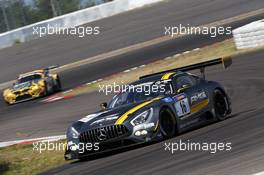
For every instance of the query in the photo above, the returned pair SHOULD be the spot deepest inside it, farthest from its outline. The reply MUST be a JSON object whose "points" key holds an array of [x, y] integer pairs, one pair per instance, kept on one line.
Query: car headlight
{"points": [[73, 133], [142, 117]]}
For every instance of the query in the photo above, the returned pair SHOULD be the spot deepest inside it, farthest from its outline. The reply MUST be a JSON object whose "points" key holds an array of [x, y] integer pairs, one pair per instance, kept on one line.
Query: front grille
{"points": [[25, 90], [17, 92], [23, 97], [102, 134], [109, 146]]}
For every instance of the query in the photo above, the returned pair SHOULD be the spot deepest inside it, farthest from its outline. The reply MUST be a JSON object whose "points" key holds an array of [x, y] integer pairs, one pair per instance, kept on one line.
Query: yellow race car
{"points": [[32, 85]]}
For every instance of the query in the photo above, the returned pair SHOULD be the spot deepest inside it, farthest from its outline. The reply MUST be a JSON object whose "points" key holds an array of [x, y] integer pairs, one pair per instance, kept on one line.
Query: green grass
{"points": [[23, 160]]}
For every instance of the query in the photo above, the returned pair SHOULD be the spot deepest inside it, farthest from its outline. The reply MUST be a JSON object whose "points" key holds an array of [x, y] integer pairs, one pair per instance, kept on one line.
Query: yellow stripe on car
{"points": [[131, 111], [199, 106], [167, 76]]}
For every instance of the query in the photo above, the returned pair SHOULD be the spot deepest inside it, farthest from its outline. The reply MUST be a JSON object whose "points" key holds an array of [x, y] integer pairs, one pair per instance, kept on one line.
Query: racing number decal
{"points": [[182, 105]]}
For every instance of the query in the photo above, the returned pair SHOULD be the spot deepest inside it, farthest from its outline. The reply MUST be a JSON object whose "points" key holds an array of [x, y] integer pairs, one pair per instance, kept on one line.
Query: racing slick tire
{"points": [[57, 84], [221, 105], [167, 123], [48, 91]]}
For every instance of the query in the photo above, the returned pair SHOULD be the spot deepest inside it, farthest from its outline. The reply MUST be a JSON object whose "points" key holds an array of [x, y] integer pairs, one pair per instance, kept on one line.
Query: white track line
{"points": [[196, 49], [54, 99], [49, 98], [42, 139], [260, 173], [167, 58], [134, 68], [67, 91]]}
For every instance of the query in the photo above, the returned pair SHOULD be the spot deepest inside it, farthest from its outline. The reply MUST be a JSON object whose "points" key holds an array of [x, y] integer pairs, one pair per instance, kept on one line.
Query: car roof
{"points": [[35, 72], [158, 77]]}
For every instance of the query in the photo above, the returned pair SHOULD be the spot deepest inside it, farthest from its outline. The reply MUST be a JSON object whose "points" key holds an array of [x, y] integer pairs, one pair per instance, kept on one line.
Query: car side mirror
{"points": [[183, 88], [103, 105]]}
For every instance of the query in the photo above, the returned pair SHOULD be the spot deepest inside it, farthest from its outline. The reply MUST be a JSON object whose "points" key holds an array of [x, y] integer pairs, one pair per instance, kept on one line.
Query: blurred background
{"points": [[18, 13]]}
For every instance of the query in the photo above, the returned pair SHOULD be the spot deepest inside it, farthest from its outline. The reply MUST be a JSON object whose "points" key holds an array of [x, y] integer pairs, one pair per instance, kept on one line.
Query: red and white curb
{"points": [[181, 54], [61, 96], [53, 98], [31, 141], [134, 68]]}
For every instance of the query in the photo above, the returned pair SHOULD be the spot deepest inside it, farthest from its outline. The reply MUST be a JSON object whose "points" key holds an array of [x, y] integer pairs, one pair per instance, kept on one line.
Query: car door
{"points": [[190, 98]]}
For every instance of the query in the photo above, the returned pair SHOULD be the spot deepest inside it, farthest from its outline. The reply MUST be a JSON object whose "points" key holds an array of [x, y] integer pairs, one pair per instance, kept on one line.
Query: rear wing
{"points": [[226, 62], [51, 67]]}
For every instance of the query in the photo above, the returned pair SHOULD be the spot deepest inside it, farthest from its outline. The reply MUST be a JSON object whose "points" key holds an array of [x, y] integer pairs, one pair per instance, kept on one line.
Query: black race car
{"points": [[156, 107]]}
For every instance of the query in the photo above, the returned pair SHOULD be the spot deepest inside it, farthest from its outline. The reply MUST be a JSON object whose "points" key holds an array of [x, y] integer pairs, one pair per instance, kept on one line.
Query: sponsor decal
{"points": [[198, 96], [197, 107], [182, 105], [179, 97], [91, 116], [108, 118], [144, 126]]}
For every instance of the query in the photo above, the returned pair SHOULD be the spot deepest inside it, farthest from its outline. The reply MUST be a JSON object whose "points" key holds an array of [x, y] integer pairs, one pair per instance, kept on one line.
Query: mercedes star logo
{"points": [[101, 134]]}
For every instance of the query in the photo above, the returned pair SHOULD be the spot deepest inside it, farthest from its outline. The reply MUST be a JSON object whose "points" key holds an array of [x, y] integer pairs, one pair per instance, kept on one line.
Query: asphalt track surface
{"points": [[244, 82], [33, 119], [117, 32]]}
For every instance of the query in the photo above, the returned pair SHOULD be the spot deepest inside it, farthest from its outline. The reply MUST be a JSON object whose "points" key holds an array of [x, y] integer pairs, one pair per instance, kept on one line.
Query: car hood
{"points": [[105, 117]]}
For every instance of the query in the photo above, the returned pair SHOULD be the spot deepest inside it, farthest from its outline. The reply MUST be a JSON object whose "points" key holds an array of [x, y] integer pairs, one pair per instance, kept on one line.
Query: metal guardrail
{"points": [[74, 19], [19, 13]]}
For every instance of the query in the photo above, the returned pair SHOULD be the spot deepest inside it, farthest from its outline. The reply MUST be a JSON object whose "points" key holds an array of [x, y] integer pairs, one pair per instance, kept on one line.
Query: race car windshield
{"points": [[21, 85], [139, 93], [34, 77]]}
